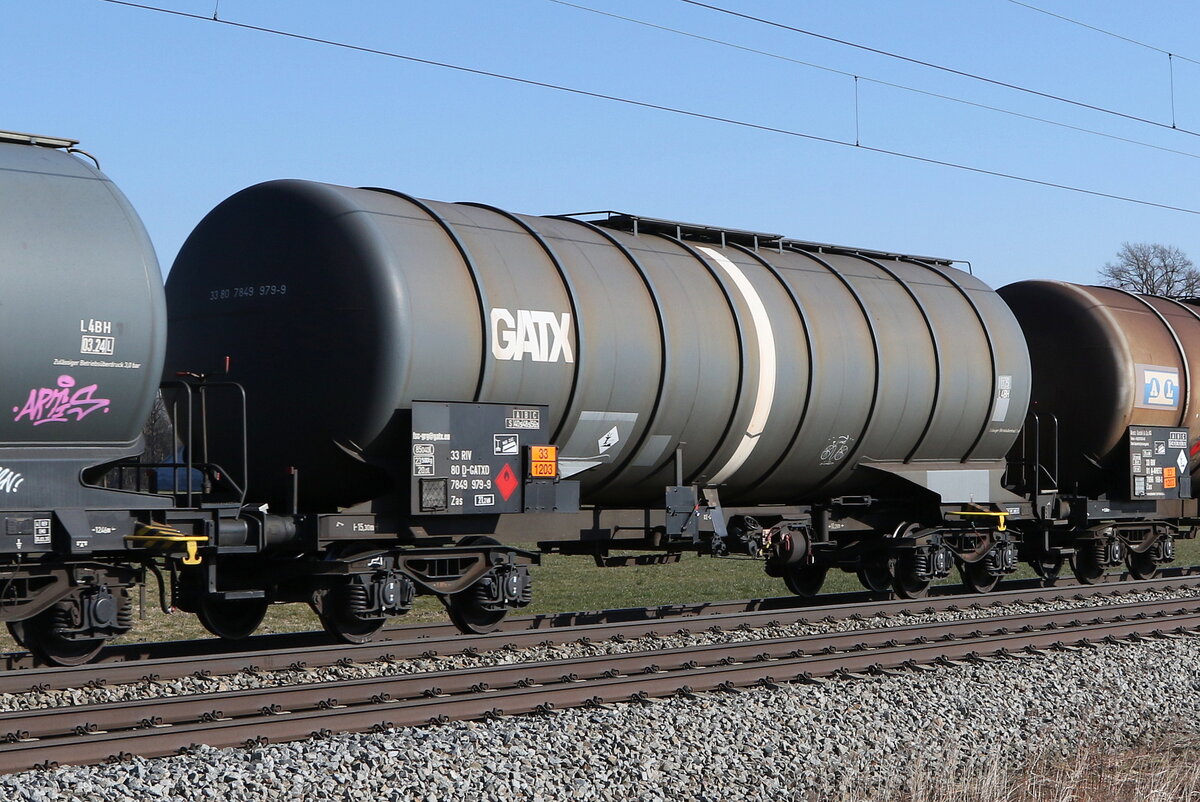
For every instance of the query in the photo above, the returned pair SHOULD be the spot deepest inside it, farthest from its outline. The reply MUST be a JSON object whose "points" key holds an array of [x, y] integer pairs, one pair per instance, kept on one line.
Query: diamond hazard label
{"points": [[506, 482], [610, 439]]}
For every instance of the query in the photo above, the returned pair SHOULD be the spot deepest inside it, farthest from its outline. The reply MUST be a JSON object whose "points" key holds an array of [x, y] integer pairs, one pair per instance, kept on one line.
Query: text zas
{"points": [[542, 336]]}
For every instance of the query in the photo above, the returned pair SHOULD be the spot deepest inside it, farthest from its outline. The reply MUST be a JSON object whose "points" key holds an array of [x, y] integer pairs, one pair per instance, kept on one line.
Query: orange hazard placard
{"points": [[544, 469], [1168, 478], [543, 453], [543, 462]]}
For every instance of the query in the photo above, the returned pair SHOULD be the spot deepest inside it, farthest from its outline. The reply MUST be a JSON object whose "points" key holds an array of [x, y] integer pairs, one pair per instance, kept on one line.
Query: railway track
{"points": [[312, 650], [165, 726], [303, 641]]}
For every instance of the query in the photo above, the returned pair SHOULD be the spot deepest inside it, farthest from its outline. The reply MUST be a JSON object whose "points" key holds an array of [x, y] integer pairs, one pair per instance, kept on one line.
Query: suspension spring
{"points": [[124, 610], [357, 600]]}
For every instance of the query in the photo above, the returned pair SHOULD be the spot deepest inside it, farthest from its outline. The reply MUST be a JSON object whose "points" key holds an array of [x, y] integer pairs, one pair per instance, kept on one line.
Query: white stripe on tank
{"points": [[765, 338]]}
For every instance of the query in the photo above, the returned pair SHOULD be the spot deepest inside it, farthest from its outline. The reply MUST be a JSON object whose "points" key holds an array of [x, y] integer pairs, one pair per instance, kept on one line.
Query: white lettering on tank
{"points": [[91, 326], [543, 336], [10, 480]]}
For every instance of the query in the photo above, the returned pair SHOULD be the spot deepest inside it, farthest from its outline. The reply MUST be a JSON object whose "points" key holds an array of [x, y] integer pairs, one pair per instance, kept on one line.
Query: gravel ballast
{"points": [[843, 739]]}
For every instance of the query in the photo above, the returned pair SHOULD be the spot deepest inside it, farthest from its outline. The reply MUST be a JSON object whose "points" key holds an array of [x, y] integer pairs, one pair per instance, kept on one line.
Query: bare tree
{"points": [[159, 434], [1151, 268]]}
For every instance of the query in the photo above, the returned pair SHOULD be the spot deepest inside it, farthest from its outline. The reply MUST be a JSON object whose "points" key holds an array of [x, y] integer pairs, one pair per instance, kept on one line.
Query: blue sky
{"points": [[182, 113]]}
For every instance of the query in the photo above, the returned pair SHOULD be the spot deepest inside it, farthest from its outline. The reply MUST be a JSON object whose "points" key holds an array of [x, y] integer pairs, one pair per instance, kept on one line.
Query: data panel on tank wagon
{"points": [[466, 458], [1158, 462]]}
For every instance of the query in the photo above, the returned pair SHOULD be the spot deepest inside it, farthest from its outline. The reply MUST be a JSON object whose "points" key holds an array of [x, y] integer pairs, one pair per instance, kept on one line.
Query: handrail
{"points": [[188, 383], [1035, 465]]}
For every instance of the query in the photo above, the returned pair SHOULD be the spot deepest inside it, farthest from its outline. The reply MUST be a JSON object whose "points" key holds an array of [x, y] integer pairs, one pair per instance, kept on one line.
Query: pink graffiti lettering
{"points": [[60, 404]]}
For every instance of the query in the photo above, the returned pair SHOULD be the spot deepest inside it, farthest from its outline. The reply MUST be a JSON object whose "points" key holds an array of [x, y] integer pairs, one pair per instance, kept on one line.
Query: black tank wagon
{"points": [[755, 369], [759, 354], [379, 396]]}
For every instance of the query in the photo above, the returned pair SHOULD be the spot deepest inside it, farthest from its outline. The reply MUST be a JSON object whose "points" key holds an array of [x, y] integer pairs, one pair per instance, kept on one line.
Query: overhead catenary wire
{"points": [[878, 81], [653, 106], [1170, 55], [1104, 31], [942, 68]]}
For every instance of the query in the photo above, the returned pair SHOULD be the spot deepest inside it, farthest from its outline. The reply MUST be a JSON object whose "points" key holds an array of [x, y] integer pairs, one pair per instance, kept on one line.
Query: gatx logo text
{"points": [[540, 336]]}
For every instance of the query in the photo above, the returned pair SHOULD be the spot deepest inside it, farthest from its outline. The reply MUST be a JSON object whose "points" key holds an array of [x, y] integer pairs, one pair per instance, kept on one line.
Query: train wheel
{"points": [[231, 619], [337, 612], [805, 580], [351, 630], [875, 575], [42, 635], [977, 578], [910, 587], [906, 582], [465, 608], [1048, 568], [1086, 566], [1141, 566], [470, 616]]}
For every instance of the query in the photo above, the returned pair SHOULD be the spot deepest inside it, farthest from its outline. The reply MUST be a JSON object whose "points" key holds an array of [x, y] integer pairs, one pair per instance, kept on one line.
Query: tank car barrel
{"points": [[782, 368]]}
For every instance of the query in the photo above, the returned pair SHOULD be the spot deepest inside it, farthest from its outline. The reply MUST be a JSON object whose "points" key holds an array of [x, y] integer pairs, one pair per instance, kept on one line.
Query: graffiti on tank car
{"points": [[10, 480], [542, 336], [60, 404], [836, 449]]}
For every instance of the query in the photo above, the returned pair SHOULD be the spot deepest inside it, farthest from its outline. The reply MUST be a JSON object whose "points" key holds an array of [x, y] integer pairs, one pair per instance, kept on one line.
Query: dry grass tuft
{"points": [[1167, 768]]}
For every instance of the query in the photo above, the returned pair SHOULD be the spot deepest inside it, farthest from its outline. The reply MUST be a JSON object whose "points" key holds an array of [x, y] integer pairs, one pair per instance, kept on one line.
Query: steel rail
{"points": [[129, 714], [304, 641], [366, 705], [312, 656]]}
